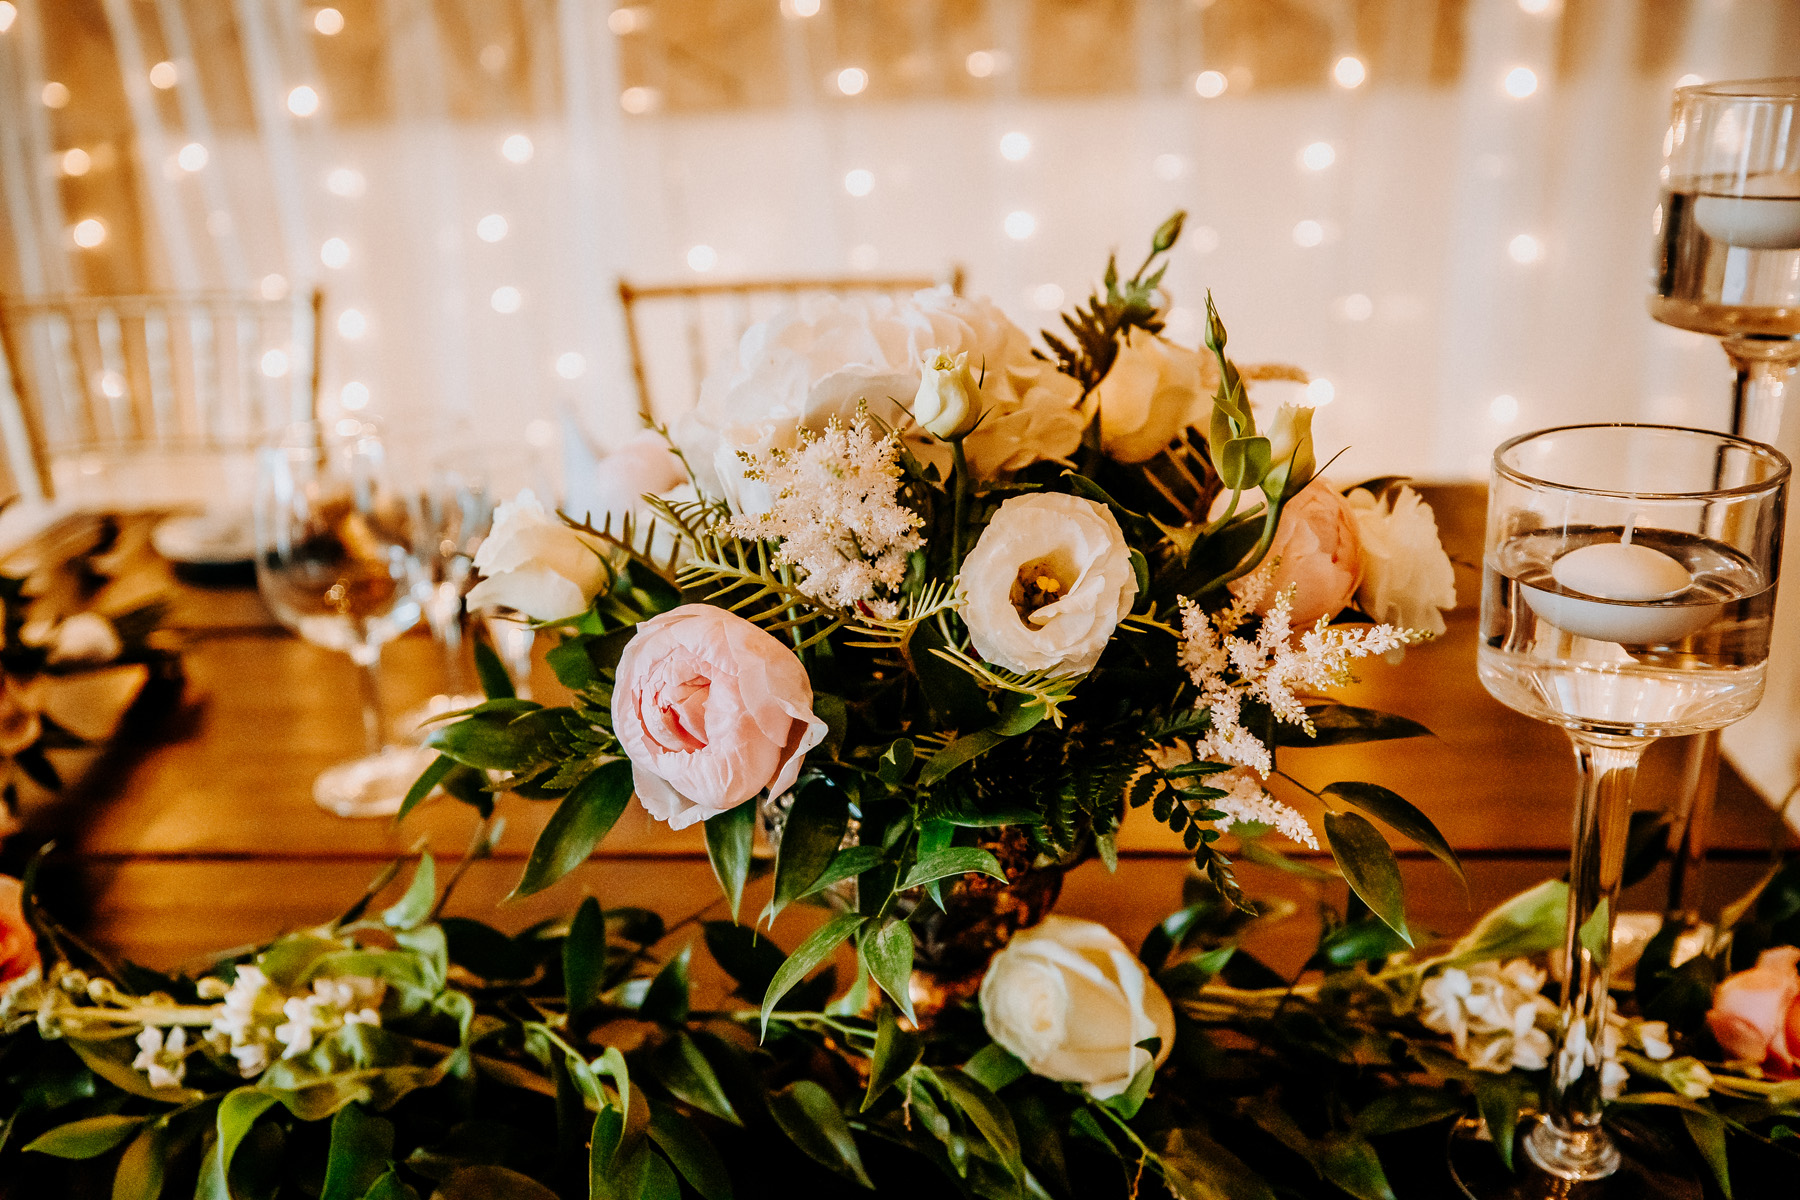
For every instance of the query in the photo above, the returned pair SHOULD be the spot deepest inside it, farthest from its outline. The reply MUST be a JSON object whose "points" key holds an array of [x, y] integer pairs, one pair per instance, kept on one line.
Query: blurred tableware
{"points": [[214, 538]]}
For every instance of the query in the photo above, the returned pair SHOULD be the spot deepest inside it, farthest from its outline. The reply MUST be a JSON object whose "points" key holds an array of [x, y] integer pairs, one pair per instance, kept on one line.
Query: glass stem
{"points": [[1693, 817], [446, 615], [368, 662], [1569, 1142], [1765, 368]]}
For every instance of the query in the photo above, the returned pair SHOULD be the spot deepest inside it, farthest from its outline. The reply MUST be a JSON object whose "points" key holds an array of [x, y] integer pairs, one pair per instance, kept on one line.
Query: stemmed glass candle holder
{"points": [[336, 563], [1627, 588]]}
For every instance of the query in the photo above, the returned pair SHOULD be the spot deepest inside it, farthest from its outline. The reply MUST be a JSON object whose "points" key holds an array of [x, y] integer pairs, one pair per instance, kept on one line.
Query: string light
{"points": [[702, 257], [8, 14], [303, 101], [491, 228], [1688, 80], [1356, 307], [506, 300], [273, 287], [517, 149], [354, 396], [329, 21], [346, 182], [1320, 392], [352, 324], [1503, 410], [571, 365], [191, 157], [1536, 8], [1169, 166], [54, 95], [864, 257], [1520, 82], [1318, 156], [1210, 85], [75, 162], [1020, 225], [852, 80], [639, 100], [88, 233], [112, 384], [1047, 296], [335, 253], [859, 182], [985, 63], [1308, 234], [1204, 239], [274, 363], [1015, 146], [1349, 71], [164, 75], [799, 8], [1525, 249], [623, 21]]}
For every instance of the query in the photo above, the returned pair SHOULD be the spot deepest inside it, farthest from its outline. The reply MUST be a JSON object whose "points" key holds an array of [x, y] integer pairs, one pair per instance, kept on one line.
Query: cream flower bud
{"points": [[948, 402], [1291, 438]]}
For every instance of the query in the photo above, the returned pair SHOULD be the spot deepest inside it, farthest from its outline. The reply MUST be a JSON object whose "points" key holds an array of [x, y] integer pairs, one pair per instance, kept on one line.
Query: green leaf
{"points": [[1349, 1161], [111, 1060], [1244, 462], [1529, 923], [994, 1066], [425, 784], [897, 1051], [896, 762], [887, 952], [1401, 817], [957, 753], [584, 956], [810, 1117], [1127, 1102], [957, 860], [1499, 1099], [361, 1148], [238, 1111], [1359, 941], [490, 741], [815, 825], [821, 945], [1347, 725], [496, 684], [411, 910], [573, 665], [667, 999], [1708, 1133], [85, 1139], [1140, 571], [730, 836], [742, 953], [1369, 867], [390, 1187], [690, 1152], [582, 818], [989, 1116], [1198, 1168], [849, 863], [681, 1067], [491, 1183], [1406, 1108]]}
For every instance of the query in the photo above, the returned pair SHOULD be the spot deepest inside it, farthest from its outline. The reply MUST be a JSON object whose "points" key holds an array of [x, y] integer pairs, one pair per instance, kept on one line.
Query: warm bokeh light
{"points": [[1210, 84], [983, 63], [75, 162], [639, 100], [354, 396], [1520, 82], [1525, 249], [8, 14], [88, 233], [507, 299], [702, 258], [1356, 307], [1320, 392], [191, 157], [1688, 80], [799, 8], [517, 149], [1015, 146], [491, 228], [859, 182], [1202, 239], [1047, 296], [273, 287], [1503, 410], [112, 384], [852, 80], [303, 101], [623, 21], [347, 182], [1318, 156], [274, 363], [352, 324], [1308, 234], [54, 95], [1537, 8], [1349, 71], [329, 21], [164, 75], [571, 365], [1020, 225], [1169, 167], [335, 253]]}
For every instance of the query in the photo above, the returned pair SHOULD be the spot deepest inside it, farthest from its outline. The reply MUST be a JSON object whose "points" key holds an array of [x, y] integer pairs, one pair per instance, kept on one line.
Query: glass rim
{"points": [[1783, 468], [311, 432], [1779, 89]]}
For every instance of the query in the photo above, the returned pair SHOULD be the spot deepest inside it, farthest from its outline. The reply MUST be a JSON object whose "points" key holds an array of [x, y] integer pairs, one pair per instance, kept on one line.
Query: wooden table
{"points": [[203, 834]]}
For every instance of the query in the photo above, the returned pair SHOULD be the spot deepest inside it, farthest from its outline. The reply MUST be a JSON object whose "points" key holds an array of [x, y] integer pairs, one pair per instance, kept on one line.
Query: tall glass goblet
{"points": [[336, 563], [455, 511], [1627, 589]]}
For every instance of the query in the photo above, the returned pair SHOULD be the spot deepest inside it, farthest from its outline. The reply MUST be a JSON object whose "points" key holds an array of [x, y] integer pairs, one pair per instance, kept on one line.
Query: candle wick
{"points": [[1630, 528]]}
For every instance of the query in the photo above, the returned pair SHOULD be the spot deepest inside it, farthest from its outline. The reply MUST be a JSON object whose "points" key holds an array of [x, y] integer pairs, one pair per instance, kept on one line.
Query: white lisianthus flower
{"points": [[1150, 394], [534, 564], [1047, 583], [948, 402], [1406, 576], [1073, 1003], [84, 638], [1491, 1012]]}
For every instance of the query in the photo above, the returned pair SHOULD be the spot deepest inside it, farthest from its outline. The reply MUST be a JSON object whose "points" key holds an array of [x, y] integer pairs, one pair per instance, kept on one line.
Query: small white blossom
{"points": [[1245, 799], [162, 1058], [1491, 1012], [835, 510], [347, 1000]]}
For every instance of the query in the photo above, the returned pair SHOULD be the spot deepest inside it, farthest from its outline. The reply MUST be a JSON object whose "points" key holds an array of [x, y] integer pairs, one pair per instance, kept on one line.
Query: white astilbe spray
{"points": [[1246, 799], [836, 513]]}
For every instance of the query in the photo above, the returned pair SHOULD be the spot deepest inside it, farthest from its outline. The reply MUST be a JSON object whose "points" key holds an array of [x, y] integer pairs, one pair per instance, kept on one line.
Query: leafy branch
{"points": [[1095, 327]]}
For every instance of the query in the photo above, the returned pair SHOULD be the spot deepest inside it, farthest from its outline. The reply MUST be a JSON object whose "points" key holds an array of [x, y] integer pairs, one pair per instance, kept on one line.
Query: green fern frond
{"points": [[1050, 692], [635, 537], [742, 576], [892, 633]]}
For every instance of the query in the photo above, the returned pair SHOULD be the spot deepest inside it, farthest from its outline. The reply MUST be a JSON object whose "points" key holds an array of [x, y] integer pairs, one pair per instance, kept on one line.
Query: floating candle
{"points": [[1626, 582], [1765, 215]]}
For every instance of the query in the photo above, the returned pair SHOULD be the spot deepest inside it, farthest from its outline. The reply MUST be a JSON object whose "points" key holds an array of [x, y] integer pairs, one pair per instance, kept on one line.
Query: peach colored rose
{"points": [[710, 710], [18, 945], [1316, 552], [1756, 1013]]}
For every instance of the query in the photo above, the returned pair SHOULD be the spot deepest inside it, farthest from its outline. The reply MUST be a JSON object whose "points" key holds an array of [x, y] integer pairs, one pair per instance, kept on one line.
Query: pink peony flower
{"points": [[710, 710], [1315, 551], [18, 945], [1756, 1013]]}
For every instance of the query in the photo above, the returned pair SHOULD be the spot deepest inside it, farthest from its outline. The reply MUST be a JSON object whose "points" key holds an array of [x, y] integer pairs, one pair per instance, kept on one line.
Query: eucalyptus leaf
{"points": [[1369, 867], [821, 945], [896, 761], [810, 1117], [1350, 1162], [848, 863], [581, 819], [1198, 1168], [1529, 923], [1708, 1133], [744, 954], [730, 837], [1499, 1098], [1337, 724]]}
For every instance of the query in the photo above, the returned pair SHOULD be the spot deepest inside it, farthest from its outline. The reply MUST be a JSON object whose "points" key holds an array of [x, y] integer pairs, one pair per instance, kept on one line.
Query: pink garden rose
{"points": [[1756, 1013], [710, 710], [18, 945], [1318, 552]]}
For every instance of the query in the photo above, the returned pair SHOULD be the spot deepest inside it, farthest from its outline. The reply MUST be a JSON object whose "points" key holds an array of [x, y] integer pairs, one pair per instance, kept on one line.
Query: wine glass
{"points": [[455, 510], [336, 563], [1727, 263], [1627, 590]]}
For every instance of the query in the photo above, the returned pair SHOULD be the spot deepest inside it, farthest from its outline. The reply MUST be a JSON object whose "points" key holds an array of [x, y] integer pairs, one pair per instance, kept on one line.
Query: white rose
{"points": [[642, 465], [947, 404], [1150, 394], [1073, 1003], [84, 638], [1406, 576], [1047, 583], [534, 564]]}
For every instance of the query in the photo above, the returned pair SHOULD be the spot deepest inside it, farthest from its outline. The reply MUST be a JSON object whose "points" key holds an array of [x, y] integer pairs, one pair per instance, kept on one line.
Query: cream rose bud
{"points": [[1316, 552], [1073, 1003], [711, 711], [1047, 583], [948, 403], [1290, 436], [1406, 576], [1150, 394], [534, 564]]}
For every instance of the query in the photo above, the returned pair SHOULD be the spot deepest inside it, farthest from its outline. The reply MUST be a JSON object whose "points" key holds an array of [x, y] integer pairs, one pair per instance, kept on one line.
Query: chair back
{"points": [[96, 378], [677, 332]]}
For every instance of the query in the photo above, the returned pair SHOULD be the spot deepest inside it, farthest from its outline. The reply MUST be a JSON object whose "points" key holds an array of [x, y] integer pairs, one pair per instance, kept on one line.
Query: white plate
{"points": [[206, 538]]}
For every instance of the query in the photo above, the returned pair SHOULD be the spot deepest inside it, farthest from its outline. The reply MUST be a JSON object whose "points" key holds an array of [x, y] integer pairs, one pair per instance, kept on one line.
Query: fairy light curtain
{"points": [[1439, 207]]}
